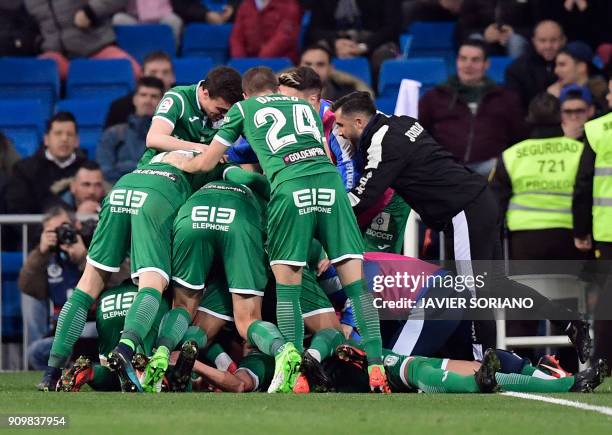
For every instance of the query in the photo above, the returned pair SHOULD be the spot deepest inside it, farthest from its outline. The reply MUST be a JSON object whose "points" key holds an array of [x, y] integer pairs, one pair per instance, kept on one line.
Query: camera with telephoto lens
{"points": [[66, 234]]}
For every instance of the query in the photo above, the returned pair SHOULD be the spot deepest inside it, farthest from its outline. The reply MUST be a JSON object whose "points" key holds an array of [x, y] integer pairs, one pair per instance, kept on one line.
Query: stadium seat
{"points": [[207, 40], [11, 296], [428, 71], [357, 66], [23, 121], [94, 78], [386, 104], [141, 39], [244, 63], [30, 78], [405, 44], [498, 68], [90, 115], [189, 70], [433, 39]]}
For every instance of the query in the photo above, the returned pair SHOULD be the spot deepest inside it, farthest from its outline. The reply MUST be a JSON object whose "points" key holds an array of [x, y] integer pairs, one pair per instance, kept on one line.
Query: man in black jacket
{"points": [[400, 154], [534, 71]]}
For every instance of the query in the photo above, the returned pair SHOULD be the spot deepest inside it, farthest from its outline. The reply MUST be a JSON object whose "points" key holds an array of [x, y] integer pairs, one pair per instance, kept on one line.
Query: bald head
{"points": [[548, 38]]}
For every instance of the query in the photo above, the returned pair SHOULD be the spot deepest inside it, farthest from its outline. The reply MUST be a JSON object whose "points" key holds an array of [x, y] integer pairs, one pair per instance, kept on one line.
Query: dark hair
{"points": [[544, 109], [259, 79], [318, 47], [90, 165], [301, 78], [150, 82], [224, 82], [154, 56], [61, 117], [57, 210], [478, 43], [355, 102]]}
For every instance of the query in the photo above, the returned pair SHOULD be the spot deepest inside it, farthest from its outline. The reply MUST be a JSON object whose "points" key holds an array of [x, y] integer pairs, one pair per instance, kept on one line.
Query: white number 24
{"points": [[303, 123]]}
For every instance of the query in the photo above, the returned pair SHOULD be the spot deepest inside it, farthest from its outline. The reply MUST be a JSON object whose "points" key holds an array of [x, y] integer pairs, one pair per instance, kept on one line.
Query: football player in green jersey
{"points": [[187, 117], [308, 201]]}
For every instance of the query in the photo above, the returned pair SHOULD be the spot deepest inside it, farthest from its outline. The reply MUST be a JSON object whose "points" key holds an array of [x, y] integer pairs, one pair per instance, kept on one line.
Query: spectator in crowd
{"points": [[335, 83], [50, 273], [87, 189], [503, 24], [576, 109], [122, 145], [37, 181], [150, 11], [8, 157], [470, 115], [573, 65], [18, 31], [352, 28], [156, 64], [534, 71], [195, 11], [430, 10], [78, 28], [577, 17], [266, 28]]}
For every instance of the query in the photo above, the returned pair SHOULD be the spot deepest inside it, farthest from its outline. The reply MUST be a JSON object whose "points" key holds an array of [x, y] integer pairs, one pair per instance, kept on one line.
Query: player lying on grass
{"points": [[511, 373], [110, 317], [308, 200]]}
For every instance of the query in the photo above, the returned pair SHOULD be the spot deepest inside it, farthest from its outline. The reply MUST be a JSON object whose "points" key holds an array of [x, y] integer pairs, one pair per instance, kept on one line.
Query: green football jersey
{"points": [[285, 133], [260, 367], [113, 305], [181, 109]]}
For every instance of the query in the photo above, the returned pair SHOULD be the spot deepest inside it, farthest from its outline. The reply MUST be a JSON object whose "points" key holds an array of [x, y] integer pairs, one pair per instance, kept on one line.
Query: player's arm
{"points": [[168, 112], [384, 162], [240, 382]]}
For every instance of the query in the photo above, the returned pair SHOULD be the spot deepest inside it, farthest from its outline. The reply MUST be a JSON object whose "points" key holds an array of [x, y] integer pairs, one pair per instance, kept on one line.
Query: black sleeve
{"points": [[384, 161], [583, 193], [20, 197], [502, 186]]}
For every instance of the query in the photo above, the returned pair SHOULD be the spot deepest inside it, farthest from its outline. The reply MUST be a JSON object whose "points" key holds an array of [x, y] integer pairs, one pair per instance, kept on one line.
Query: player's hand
{"points": [[584, 244], [48, 239], [81, 20], [323, 266], [77, 251], [88, 207]]}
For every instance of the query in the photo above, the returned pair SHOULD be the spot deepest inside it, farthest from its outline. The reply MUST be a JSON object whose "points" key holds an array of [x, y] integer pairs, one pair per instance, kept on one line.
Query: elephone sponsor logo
{"points": [[205, 217], [414, 132], [314, 200], [127, 201], [303, 155], [116, 305], [165, 105]]}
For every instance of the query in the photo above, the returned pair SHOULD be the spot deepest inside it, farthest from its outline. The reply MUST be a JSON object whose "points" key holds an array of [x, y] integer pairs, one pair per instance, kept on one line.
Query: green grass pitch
{"points": [[319, 414]]}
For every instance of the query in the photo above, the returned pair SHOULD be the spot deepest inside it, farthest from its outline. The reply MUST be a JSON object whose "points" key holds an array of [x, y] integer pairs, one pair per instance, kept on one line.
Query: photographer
{"points": [[50, 273]]}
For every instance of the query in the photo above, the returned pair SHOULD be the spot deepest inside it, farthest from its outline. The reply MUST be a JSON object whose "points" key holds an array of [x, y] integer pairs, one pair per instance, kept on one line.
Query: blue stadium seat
{"points": [[405, 44], [207, 40], [90, 115], [29, 78], [23, 121], [386, 104], [433, 39], [141, 39], [429, 71], [498, 68], [190, 70], [241, 64], [11, 296], [357, 66], [95, 78]]}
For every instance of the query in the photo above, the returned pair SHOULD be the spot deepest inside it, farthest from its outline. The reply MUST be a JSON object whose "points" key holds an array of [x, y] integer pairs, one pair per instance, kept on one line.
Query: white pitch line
{"points": [[579, 405]]}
